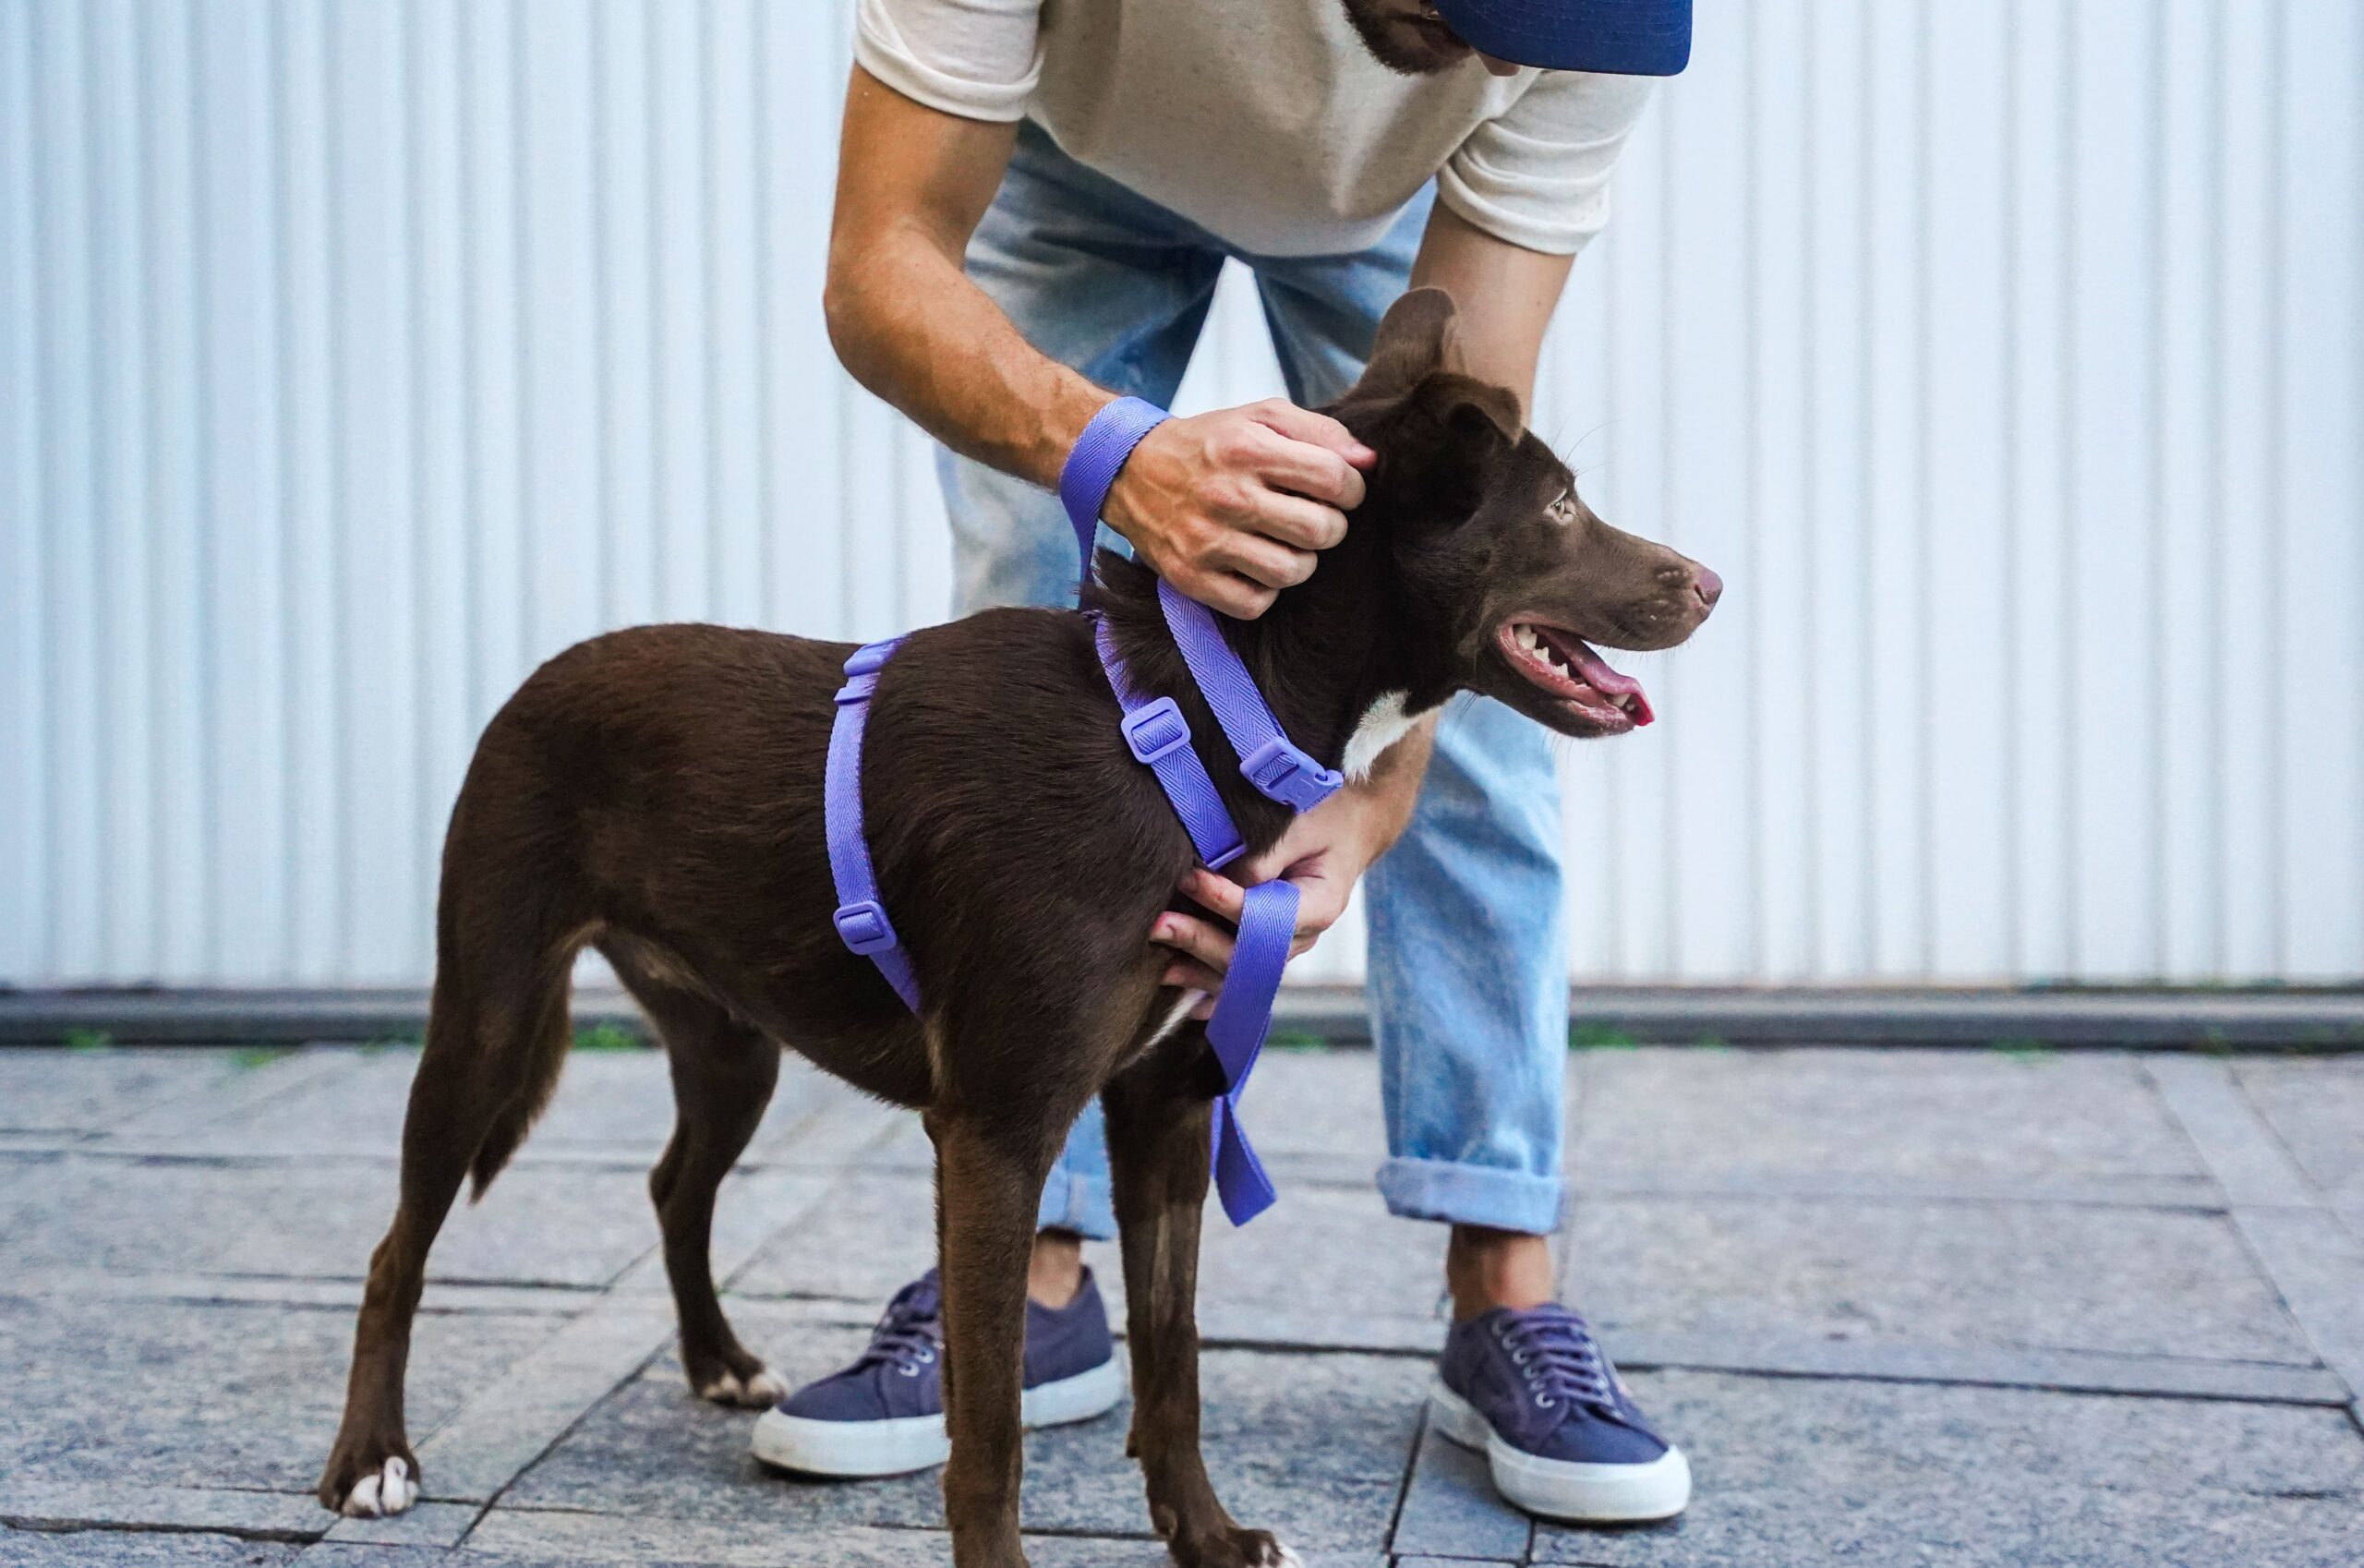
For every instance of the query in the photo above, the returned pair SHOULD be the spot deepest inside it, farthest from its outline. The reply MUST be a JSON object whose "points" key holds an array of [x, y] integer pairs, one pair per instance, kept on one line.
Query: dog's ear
{"points": [[1477, 410], [1417, 338]]}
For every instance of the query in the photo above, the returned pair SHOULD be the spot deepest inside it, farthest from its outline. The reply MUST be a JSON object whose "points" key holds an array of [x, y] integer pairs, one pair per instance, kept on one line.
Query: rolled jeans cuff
{"points": [[1472, 1195], [1077, 1200]]}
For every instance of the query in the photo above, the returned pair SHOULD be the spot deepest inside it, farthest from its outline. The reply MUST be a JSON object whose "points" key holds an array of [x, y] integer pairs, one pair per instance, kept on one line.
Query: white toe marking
{"points": [[363, 1501], [724, 1389], [396, 1490], [1384, 724], [765, 1389], [1287, 1559]]}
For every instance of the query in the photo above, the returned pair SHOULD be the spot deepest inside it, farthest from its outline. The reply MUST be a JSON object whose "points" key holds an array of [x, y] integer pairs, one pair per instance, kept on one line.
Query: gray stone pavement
{"points": [[1900, 1306]]}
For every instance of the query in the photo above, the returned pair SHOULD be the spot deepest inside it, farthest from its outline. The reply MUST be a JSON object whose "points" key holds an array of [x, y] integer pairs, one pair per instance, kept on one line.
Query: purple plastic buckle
{"points": [[870, 657], [865, 928], [1282, 773], [1155, 731]]}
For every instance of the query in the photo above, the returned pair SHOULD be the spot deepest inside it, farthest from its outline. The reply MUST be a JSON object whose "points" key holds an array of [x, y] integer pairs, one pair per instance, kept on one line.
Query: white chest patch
{"points": [[1384, 724]]}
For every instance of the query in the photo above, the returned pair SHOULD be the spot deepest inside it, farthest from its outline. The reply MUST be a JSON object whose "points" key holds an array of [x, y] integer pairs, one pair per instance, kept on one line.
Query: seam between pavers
{"points": [[115, 1505], [2241, 1151], [2313, 1262], [2067, 1371]]}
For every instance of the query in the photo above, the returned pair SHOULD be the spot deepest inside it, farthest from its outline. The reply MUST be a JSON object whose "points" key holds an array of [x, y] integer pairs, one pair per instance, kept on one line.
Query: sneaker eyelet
{"points": [[1545, 1402], [909, 1371]]}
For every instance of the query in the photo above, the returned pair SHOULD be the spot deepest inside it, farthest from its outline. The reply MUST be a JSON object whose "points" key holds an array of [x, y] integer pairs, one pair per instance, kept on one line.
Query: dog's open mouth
{"points": [[1564, 664]]}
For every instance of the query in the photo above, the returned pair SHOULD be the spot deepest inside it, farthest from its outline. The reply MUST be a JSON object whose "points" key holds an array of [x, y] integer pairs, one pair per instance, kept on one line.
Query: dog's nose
{"points": [[1708, 587]]}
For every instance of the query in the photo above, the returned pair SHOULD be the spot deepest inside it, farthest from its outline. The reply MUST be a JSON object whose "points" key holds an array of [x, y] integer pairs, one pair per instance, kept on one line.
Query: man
{"points": [[1033, 202]]}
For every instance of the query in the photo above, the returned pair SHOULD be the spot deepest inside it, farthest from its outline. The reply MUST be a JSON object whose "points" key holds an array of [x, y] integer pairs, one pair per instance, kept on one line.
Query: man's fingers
{"points": [[1264, 561], [1311, 471], [1223, 592], [1304, 424], [1192, 975], [1294, 520], [1219, 894], [1195, 938]]}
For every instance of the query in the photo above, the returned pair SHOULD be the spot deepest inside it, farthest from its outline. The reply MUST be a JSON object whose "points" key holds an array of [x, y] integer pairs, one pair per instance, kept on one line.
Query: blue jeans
{"points": [[1469, 947]]}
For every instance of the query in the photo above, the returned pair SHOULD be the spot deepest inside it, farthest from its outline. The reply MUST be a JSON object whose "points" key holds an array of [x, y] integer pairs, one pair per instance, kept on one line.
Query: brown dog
{"points": [[656, 794]]}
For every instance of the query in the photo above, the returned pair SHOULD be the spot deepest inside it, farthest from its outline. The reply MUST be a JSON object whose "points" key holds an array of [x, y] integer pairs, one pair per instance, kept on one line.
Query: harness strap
{"points": [[1159, 739], [861, 918], [1269, 759]]}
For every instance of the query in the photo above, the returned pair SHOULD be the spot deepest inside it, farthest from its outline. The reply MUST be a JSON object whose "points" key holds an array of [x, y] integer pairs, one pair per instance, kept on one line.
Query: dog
{"points": [[655, 794]]}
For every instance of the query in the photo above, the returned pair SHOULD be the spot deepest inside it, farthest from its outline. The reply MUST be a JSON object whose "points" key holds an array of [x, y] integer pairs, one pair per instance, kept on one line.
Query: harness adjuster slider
{"points": [[1282, 772], [865, 928], [1155, 731]]}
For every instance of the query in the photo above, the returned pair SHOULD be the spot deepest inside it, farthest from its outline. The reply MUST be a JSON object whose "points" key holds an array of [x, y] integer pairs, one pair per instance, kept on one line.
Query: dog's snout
{"points": [[1708, 585]]}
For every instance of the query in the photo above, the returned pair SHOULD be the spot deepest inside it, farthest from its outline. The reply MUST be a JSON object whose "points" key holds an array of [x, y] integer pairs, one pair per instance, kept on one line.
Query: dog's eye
{"points": [[1563, 510]]}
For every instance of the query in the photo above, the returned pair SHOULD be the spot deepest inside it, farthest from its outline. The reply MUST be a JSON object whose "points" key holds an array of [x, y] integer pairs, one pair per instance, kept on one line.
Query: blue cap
{"points": [[1634, 38]]}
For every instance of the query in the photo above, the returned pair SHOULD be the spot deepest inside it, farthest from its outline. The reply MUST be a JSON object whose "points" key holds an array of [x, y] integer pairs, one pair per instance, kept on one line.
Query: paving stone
{"points": [[1452, 1509], [439, 1525], [128, 1549], [1322, 1267], [538, 1224], [1317, 1113], [1807, 1474], [2319, 1269], [2317, 1108], [1791, 1472], [1311, 1447], [873, 1233], [2248, 1162], [616, 1102], [163, 1395], [2010, 1277], [45, 1089], [1905, 1113]]}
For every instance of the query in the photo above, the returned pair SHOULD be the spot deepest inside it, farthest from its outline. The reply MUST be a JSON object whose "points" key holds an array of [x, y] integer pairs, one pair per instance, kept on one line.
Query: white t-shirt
{"points": [[1266, 122]]}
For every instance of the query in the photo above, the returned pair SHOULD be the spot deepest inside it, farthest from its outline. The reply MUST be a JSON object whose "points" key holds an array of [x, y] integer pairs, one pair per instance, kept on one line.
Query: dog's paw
{"points": [[386, 1490], [1233, 1548], [759, 1391]]}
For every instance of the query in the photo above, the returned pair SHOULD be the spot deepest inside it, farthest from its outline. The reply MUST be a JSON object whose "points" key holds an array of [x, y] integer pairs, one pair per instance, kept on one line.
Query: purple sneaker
{"points": [[1533, 1392], [883, 1416]]}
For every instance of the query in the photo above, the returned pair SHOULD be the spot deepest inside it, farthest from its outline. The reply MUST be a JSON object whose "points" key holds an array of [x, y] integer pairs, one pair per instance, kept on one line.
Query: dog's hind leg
{"points": [[493, 1053], [724, 1071], [1158, 1133]]}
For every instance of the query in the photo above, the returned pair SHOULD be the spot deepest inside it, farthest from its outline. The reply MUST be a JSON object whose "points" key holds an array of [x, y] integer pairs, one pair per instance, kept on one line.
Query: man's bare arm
{"points": [[1228, 506]]}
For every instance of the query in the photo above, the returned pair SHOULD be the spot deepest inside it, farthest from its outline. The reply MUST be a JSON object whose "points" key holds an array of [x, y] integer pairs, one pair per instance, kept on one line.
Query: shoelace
{"points": [[1555, 1353], [912, 1332]]}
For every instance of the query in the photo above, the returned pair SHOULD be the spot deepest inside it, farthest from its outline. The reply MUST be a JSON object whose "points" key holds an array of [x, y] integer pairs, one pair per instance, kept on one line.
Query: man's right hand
{"points": [[1230, 506]]}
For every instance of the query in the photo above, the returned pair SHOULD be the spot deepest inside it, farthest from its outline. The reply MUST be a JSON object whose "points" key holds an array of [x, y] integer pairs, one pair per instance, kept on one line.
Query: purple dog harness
{"points": [[1158, 738]]}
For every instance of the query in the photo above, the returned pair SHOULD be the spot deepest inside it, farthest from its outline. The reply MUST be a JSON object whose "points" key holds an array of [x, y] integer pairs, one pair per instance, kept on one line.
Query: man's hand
{"points": [[1323, 852], [1230, 506]]}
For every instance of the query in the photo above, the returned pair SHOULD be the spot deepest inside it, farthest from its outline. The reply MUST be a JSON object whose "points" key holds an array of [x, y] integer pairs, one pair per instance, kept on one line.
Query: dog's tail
{"points": [[536, 1054]]}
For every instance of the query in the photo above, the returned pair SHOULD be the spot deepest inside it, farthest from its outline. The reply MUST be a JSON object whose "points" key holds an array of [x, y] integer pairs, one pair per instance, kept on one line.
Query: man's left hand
{"points": [[1323, 852]]}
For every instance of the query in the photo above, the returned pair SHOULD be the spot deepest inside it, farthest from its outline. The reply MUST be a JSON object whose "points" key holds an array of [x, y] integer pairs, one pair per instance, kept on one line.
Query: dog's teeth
{"points": [[1527, 638]]}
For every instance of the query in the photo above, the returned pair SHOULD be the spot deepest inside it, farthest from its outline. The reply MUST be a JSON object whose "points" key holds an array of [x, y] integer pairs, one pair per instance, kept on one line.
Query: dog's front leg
{"points": [[989, 1185], [1158, 1131]]}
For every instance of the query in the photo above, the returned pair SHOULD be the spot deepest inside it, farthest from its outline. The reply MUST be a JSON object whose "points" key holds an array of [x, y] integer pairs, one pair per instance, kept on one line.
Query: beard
{"points": [[1405, 37]]}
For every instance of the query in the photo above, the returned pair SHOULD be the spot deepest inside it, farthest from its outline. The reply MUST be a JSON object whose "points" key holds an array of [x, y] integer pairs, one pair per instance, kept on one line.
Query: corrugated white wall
{"points": [[2007, 358]]}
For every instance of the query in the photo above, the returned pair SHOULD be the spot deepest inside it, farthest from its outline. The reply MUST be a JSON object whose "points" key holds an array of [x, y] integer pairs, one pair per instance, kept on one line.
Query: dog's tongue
{"points": [[1607, 681]]}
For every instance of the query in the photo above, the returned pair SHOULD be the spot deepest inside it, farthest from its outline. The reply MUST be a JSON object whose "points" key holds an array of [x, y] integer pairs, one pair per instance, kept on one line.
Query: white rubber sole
{"points": [[851, 1449], [1556, 1488]]}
